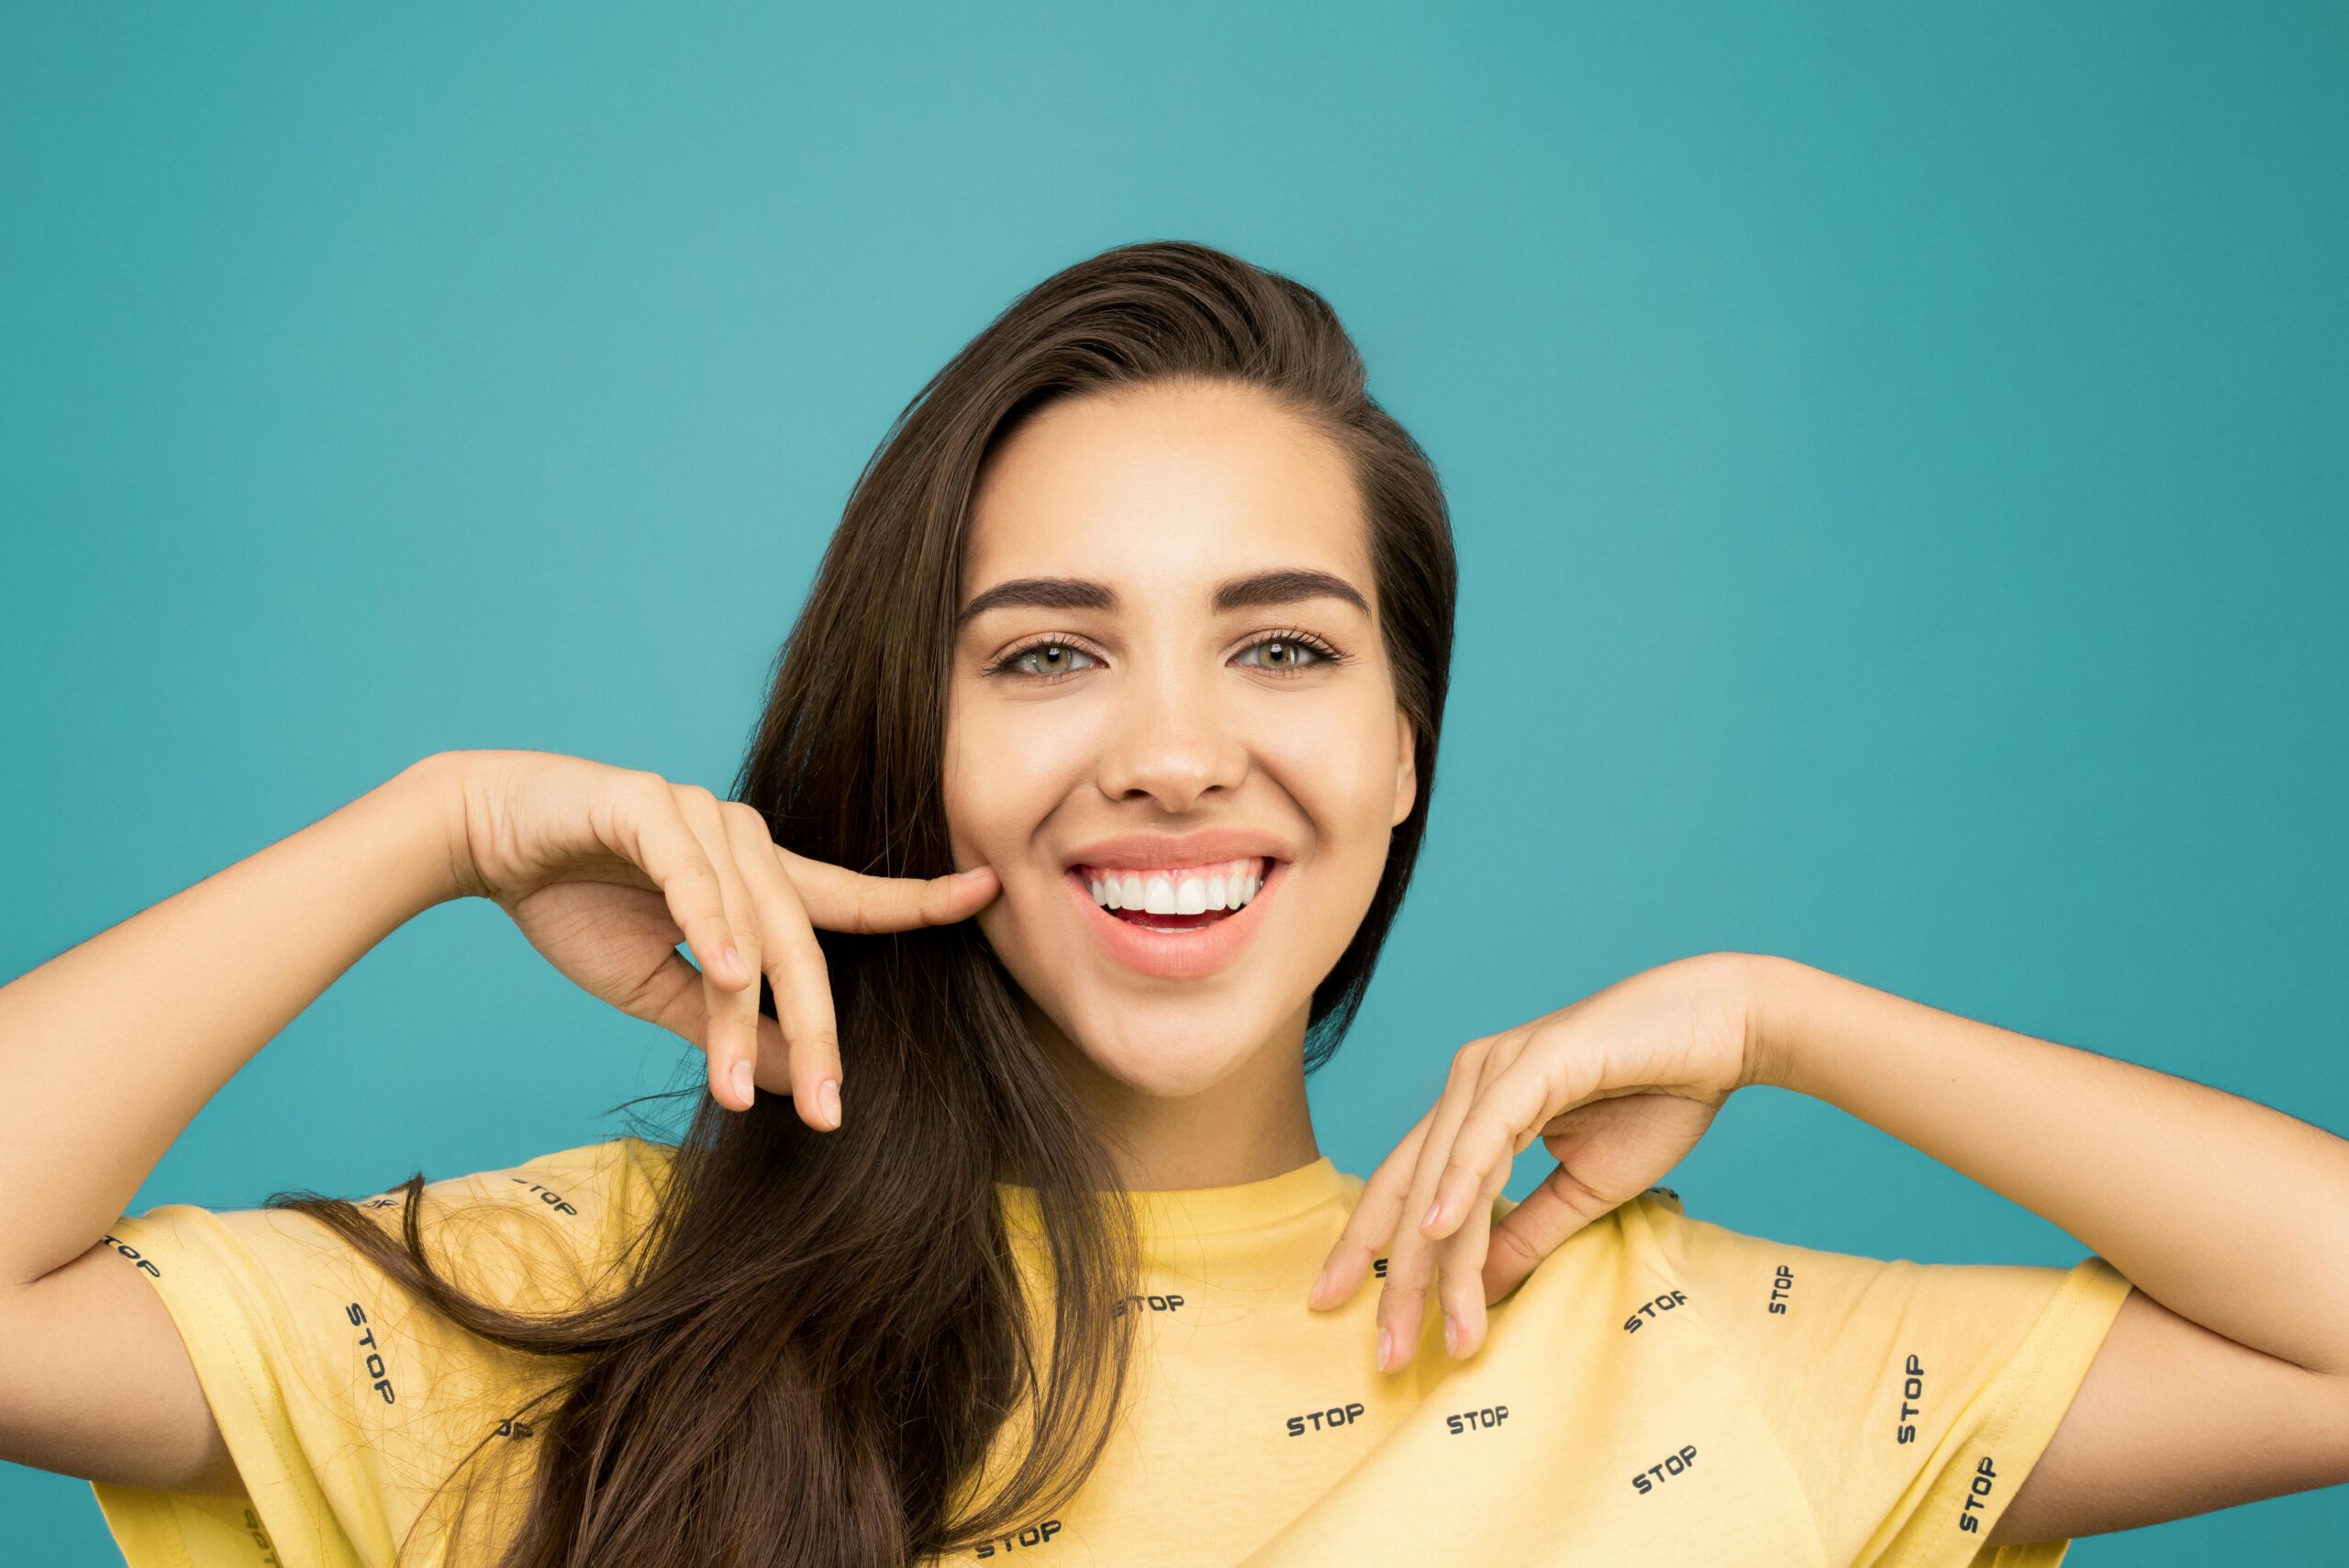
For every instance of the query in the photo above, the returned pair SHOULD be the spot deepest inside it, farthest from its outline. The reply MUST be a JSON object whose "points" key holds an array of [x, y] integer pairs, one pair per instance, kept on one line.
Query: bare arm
{"points": [[2227, 1212], [2225, 1378], [108, 1049]]}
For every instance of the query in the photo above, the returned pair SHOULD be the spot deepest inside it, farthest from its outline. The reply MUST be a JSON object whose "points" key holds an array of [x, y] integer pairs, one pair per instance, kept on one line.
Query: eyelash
{"points": [[1324, 652]]}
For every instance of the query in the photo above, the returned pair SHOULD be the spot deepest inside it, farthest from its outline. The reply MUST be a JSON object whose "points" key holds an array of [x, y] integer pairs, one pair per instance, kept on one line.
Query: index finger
{"points": [[1502, 1123], [1372, 1224], [839, 899]]}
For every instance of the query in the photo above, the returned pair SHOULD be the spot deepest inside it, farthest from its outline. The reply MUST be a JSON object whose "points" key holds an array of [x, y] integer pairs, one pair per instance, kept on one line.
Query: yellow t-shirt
{"points": [[1661, 1390]]}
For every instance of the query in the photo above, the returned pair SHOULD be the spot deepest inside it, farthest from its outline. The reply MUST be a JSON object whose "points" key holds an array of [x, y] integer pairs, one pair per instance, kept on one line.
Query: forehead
{"points": [[1165, 486]]}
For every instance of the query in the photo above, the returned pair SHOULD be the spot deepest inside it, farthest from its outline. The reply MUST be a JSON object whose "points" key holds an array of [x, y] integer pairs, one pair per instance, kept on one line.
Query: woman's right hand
{"points": [[607, 868]]}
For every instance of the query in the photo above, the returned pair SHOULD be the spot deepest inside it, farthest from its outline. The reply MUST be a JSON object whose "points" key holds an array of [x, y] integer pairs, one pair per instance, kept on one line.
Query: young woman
{"points": [[1092, 778]]}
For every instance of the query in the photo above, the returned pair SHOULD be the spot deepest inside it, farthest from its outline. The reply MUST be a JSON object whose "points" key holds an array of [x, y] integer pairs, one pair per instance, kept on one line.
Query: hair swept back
{"points": [[826, 1380]]}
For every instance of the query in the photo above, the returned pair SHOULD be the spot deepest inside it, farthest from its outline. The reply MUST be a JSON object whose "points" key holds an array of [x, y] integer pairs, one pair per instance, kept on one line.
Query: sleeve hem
{"points": [[2032, 1396], [239, 1388]]}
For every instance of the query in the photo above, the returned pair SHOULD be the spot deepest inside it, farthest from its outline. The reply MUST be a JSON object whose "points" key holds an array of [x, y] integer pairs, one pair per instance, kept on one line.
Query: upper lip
{"points": [[1140, 851]]}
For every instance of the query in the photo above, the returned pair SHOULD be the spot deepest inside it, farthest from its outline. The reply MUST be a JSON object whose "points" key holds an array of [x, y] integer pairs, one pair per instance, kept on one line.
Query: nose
{"points": [[1172, 742]]}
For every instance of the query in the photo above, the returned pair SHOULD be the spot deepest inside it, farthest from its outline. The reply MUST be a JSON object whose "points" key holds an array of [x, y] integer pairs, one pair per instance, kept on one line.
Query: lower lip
{"points": [[1176, 955]]}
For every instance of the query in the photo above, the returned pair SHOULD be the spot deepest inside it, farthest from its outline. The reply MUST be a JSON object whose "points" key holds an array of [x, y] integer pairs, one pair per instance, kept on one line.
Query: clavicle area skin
{"points": [[1176, 890]]}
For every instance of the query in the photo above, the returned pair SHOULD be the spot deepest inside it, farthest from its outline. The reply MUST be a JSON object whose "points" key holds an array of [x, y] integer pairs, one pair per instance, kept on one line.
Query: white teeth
{"points": [[1185, 891]]}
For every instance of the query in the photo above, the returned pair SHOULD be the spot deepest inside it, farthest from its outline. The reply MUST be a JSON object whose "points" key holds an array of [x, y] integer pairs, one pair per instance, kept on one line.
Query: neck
{"points": [[1249, 1126]]}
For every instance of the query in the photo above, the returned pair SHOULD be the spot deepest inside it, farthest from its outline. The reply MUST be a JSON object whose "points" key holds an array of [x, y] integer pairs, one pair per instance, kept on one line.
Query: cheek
{"points": [[1341, 772], [1002, 780]]}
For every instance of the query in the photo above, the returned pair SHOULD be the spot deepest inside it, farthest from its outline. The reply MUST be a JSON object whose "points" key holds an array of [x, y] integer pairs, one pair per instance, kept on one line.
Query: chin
{"points": [[1180, 1051]]}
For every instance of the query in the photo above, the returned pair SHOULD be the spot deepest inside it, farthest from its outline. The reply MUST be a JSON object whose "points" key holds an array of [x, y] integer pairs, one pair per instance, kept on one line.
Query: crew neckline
{"points": [[1192, 1211]]}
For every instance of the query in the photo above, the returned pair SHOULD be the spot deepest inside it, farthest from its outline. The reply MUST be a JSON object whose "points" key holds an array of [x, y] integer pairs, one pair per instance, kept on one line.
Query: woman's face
{"points": [[1169, 692]]}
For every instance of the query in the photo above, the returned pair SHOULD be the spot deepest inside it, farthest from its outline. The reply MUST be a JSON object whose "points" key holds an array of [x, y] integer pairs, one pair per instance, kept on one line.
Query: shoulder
{"points": [[543, 1233], [593, 1196], [622, 1176]]}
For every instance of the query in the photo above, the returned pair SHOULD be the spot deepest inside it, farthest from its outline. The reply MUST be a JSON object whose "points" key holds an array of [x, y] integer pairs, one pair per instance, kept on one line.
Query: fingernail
{"points": [[1313, 1296], [974, 873], [828, 1097], [1386, 1343], [734, 964], [1435, 1213], [742, 1080], [1451, 1335]]}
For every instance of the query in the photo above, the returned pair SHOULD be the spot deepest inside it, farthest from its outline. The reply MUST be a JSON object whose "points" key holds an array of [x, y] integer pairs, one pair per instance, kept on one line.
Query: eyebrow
{"points": [[1285, 586]]}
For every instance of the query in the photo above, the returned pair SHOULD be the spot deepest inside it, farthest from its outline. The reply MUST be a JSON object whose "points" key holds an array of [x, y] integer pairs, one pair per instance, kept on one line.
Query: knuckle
{"points": [[1514, 1251]]}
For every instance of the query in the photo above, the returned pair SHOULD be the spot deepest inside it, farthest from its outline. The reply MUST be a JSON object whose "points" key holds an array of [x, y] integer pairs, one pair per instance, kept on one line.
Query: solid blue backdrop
{"points": [[1898, 465]]}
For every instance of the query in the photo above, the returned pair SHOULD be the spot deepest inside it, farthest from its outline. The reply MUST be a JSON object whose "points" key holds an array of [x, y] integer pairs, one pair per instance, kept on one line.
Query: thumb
{"points": [[1536, 1228]]}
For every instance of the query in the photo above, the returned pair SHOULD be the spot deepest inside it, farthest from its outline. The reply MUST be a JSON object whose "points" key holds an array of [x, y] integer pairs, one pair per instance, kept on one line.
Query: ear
{"points": [[1407, 771]]}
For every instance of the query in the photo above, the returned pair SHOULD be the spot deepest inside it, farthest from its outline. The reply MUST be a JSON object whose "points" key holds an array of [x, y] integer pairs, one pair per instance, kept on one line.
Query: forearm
{"points": [[2221, 1210], [108, 1049]]}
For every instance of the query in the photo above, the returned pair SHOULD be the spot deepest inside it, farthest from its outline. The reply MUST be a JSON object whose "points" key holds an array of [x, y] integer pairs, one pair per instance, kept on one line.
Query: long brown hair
{"points": [[822, 1338]]}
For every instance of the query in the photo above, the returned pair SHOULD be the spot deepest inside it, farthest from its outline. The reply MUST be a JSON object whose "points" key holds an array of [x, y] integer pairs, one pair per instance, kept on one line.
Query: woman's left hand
{"points": [[1618, 1086]]}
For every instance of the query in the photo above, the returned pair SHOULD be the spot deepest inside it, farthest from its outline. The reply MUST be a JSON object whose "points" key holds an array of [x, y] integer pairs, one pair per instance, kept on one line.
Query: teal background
{"points": [[1897, 462]]}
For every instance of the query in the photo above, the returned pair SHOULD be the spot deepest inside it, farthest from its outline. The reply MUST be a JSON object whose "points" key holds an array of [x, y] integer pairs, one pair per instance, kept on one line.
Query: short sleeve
{"points": [[1911, 1399], [346, 1403]]}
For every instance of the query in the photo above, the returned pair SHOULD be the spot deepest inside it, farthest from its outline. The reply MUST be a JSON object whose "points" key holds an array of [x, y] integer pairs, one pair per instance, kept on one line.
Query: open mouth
{"points": [[1176, 898]]}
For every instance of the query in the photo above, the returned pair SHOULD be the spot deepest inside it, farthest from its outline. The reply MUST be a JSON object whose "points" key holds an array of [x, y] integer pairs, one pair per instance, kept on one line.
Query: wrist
{"points": [[1772, 988], [426, 800]]}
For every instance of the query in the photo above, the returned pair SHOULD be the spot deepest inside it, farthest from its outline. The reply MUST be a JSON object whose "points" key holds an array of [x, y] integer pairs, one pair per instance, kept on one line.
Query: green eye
{"points": [[1282, 652], [1048, 660]]}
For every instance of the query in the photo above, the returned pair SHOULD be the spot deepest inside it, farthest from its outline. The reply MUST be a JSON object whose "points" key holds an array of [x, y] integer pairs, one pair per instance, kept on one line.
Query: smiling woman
{"points": [[1090, 781], [1171, 676]]}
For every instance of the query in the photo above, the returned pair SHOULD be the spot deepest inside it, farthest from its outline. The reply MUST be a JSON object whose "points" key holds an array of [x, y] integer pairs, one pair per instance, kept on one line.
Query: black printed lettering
{"points": [[1986, 1477], [1781, 1285], [261, 1543], [1325, 1420], [1169, 1303], [1912, 1388], [510, 1427], [1662, 1304], [1484, 1420], [1378, 1267], [375, 1367], [1033, 1536], [1673, 1464], [146, 1265], [381, 1203], [552, 1199]]}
